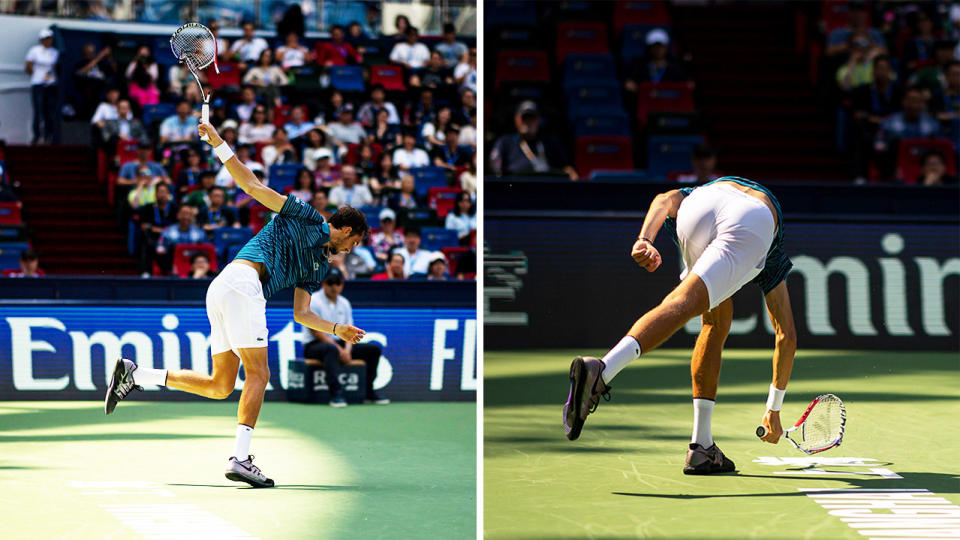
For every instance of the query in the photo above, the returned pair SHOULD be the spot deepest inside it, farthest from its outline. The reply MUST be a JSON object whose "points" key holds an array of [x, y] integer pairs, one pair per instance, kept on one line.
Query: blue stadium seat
{"points": [[162, 52], [601, 124], [605, 99], [372, 214], [10, 254], [232, 252], [157, 112], [437, 238], [588, 69], [510, 13], [622, 177], [342, 12], [225, 237], [669, 153], [428, 177], [283, 175], [347, 78], [634, 40]]}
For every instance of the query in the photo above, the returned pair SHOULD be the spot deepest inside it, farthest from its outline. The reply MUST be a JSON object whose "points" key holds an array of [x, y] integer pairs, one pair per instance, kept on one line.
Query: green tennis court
{"points": [[623, 477], [155, 469]]}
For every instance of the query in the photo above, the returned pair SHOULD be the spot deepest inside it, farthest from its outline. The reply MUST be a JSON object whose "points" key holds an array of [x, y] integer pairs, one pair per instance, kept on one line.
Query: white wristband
{"points": [[775, 399], [223, 152]]}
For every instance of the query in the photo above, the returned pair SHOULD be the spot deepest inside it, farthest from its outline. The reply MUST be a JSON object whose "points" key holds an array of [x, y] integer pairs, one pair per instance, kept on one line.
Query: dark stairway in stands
{"points": [[755, 93], [72, 225]]}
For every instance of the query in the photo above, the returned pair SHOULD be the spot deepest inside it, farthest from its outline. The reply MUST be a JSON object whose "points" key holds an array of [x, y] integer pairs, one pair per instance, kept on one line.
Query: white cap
{"points": [[437, 256], [387, 213], [658, 35], [46, 33], [324, 153], [229, 123]]}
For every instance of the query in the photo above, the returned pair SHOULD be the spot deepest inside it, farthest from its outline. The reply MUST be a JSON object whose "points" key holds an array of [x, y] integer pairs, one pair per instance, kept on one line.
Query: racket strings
{"points": [[823, 427], [194, 44]]}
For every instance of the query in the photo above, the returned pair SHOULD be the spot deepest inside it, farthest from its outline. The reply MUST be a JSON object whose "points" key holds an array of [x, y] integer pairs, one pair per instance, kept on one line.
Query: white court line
{"points": [[891, 514]]}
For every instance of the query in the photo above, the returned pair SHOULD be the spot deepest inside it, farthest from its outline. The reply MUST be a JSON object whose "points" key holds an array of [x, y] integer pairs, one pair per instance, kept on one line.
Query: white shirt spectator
{"points": [[225, 180], [270, 76], [311, 155], [468, 136], [244, 111], [250, 133], [249, 50], [431, 130], [416, 56], [367, 115], [44, 60], [357, 196], [418, 263], [104, 112], [340, 312], [349, 134], [469, 75], [292, 57], [407, 160], [173, 128], [295, 130], [463, 223]]}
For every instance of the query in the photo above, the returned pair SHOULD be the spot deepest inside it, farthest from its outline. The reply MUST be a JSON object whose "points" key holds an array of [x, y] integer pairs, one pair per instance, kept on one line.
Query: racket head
{"points": [[821, 427], [195, 42]]}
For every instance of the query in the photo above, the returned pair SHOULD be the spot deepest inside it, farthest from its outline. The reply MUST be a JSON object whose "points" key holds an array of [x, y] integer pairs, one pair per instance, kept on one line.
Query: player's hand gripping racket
{"points": [[820, 428], [194, 45]]}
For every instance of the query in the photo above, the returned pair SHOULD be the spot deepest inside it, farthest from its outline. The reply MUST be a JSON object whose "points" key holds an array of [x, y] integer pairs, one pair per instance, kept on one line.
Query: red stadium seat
{"points": [[664, 97], [390, 77], [910, 153], [183, 252], [522, 66], [126, 151], [834, 14], [258, 217], [282, 113], [601, 152], [10, 214], [10, 271], [581, 37], [442, 199], [653, 12], [452, 254], [229, 76], [258, 149]]}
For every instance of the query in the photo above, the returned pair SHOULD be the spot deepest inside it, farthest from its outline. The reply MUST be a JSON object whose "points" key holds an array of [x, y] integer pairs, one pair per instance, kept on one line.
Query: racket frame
{"points": [[762, 431], [195, 68]]}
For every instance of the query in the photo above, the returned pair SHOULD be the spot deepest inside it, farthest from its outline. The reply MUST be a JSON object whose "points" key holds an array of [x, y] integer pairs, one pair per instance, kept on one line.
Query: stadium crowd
{"points": [[389, 129]]}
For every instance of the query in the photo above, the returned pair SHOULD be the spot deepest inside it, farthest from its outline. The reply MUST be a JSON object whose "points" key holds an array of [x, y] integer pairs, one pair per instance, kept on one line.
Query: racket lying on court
{"points": [[194, 45], [820, 428]]}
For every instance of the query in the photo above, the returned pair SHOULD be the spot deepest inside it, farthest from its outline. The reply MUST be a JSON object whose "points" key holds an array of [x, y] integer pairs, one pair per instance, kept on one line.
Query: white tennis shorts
{"points": [[237, 310], [724, 235]]}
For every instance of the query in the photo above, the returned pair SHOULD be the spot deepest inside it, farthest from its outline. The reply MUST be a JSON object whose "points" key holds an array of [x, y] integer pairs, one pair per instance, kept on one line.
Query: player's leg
{"points": [[370, 354], [217, 385], [256, 376]]}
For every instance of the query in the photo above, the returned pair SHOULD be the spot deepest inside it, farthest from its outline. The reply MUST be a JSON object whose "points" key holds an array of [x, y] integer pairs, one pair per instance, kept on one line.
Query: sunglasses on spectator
{"points": [[335, 282]]}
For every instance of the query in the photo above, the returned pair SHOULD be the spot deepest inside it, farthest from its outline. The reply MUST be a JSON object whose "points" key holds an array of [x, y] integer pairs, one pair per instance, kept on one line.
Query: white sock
{"points": [[241, 445], [626, 351], [150, 376], [702, 414]]}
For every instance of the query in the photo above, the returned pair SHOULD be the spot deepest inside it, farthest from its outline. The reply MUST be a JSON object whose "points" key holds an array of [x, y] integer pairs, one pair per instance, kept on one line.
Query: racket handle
{"points": [[761, 431], [205, 118]]}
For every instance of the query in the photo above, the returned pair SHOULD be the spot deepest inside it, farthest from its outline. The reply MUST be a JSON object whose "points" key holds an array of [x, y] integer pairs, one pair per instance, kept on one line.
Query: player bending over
{"points": [[730, 232], [291, 250]]}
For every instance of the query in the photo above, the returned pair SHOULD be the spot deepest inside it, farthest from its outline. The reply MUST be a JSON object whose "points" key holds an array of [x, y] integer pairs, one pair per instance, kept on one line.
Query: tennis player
{"points": [[730, 232], [292, 250]]}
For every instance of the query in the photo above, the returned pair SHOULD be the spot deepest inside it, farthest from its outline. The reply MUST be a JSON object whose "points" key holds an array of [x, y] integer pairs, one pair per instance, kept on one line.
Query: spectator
{"points": [[437, 271], [292, 54], [144, 192], [463, 217], [451, 50], [184, 231], [468, 132], [266, 77], [41, 65], [154, 218], [408, 156], [423, 110], [180, 127], [387, 175], [189, 178], [330, 305], [325, 174], [247, 49], [434, 74], [107, 109], [355, 34], [394, 269], [200, 266], [336, 52], [303, 185], [200, 197], [129, 171], [467, 109], [704, 161], [142, 89], [182, 79], [257, 129], [402, 24], [315, 145], [29, 265], [947, 104], [345, 130], [383, 132], [143, 62], [450, 155], [411, 54], [912, 123], [248, 102], [124, 127], [217, 214], [407, 196], [415, 260], [331, 109], [352, 191], [365, 161], [840, 39], [298, 126], [872, 104], [655, 66], [529, 152], [369, 111], [228, 132], [90, 76], [433, 132], [279, 150], [468, 178], [245, 155], [465, 74], [858, 70], [223, 48], [934, 172], [387, 238], [933, 77], [918, 49], [321, 204]]}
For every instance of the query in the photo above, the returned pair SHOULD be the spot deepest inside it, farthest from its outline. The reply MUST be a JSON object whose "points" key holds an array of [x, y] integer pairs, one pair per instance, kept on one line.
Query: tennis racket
{"points": [[820, 428], [194, 45]]}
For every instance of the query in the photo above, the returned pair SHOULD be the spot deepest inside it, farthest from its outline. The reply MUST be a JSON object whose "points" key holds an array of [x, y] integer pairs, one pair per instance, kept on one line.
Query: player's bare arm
{"points": [[663, 206], [778, 307], [303, 315], [243, 176]]}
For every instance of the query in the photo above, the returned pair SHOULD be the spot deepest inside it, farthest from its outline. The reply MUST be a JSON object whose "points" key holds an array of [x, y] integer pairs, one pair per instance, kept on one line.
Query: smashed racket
{"points": [[194, 45], [820, 428]]}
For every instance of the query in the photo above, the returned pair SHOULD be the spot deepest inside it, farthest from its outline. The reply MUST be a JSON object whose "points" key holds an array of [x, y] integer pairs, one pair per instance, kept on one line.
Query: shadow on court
{"points": [[295, 487], [106, 437]]}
